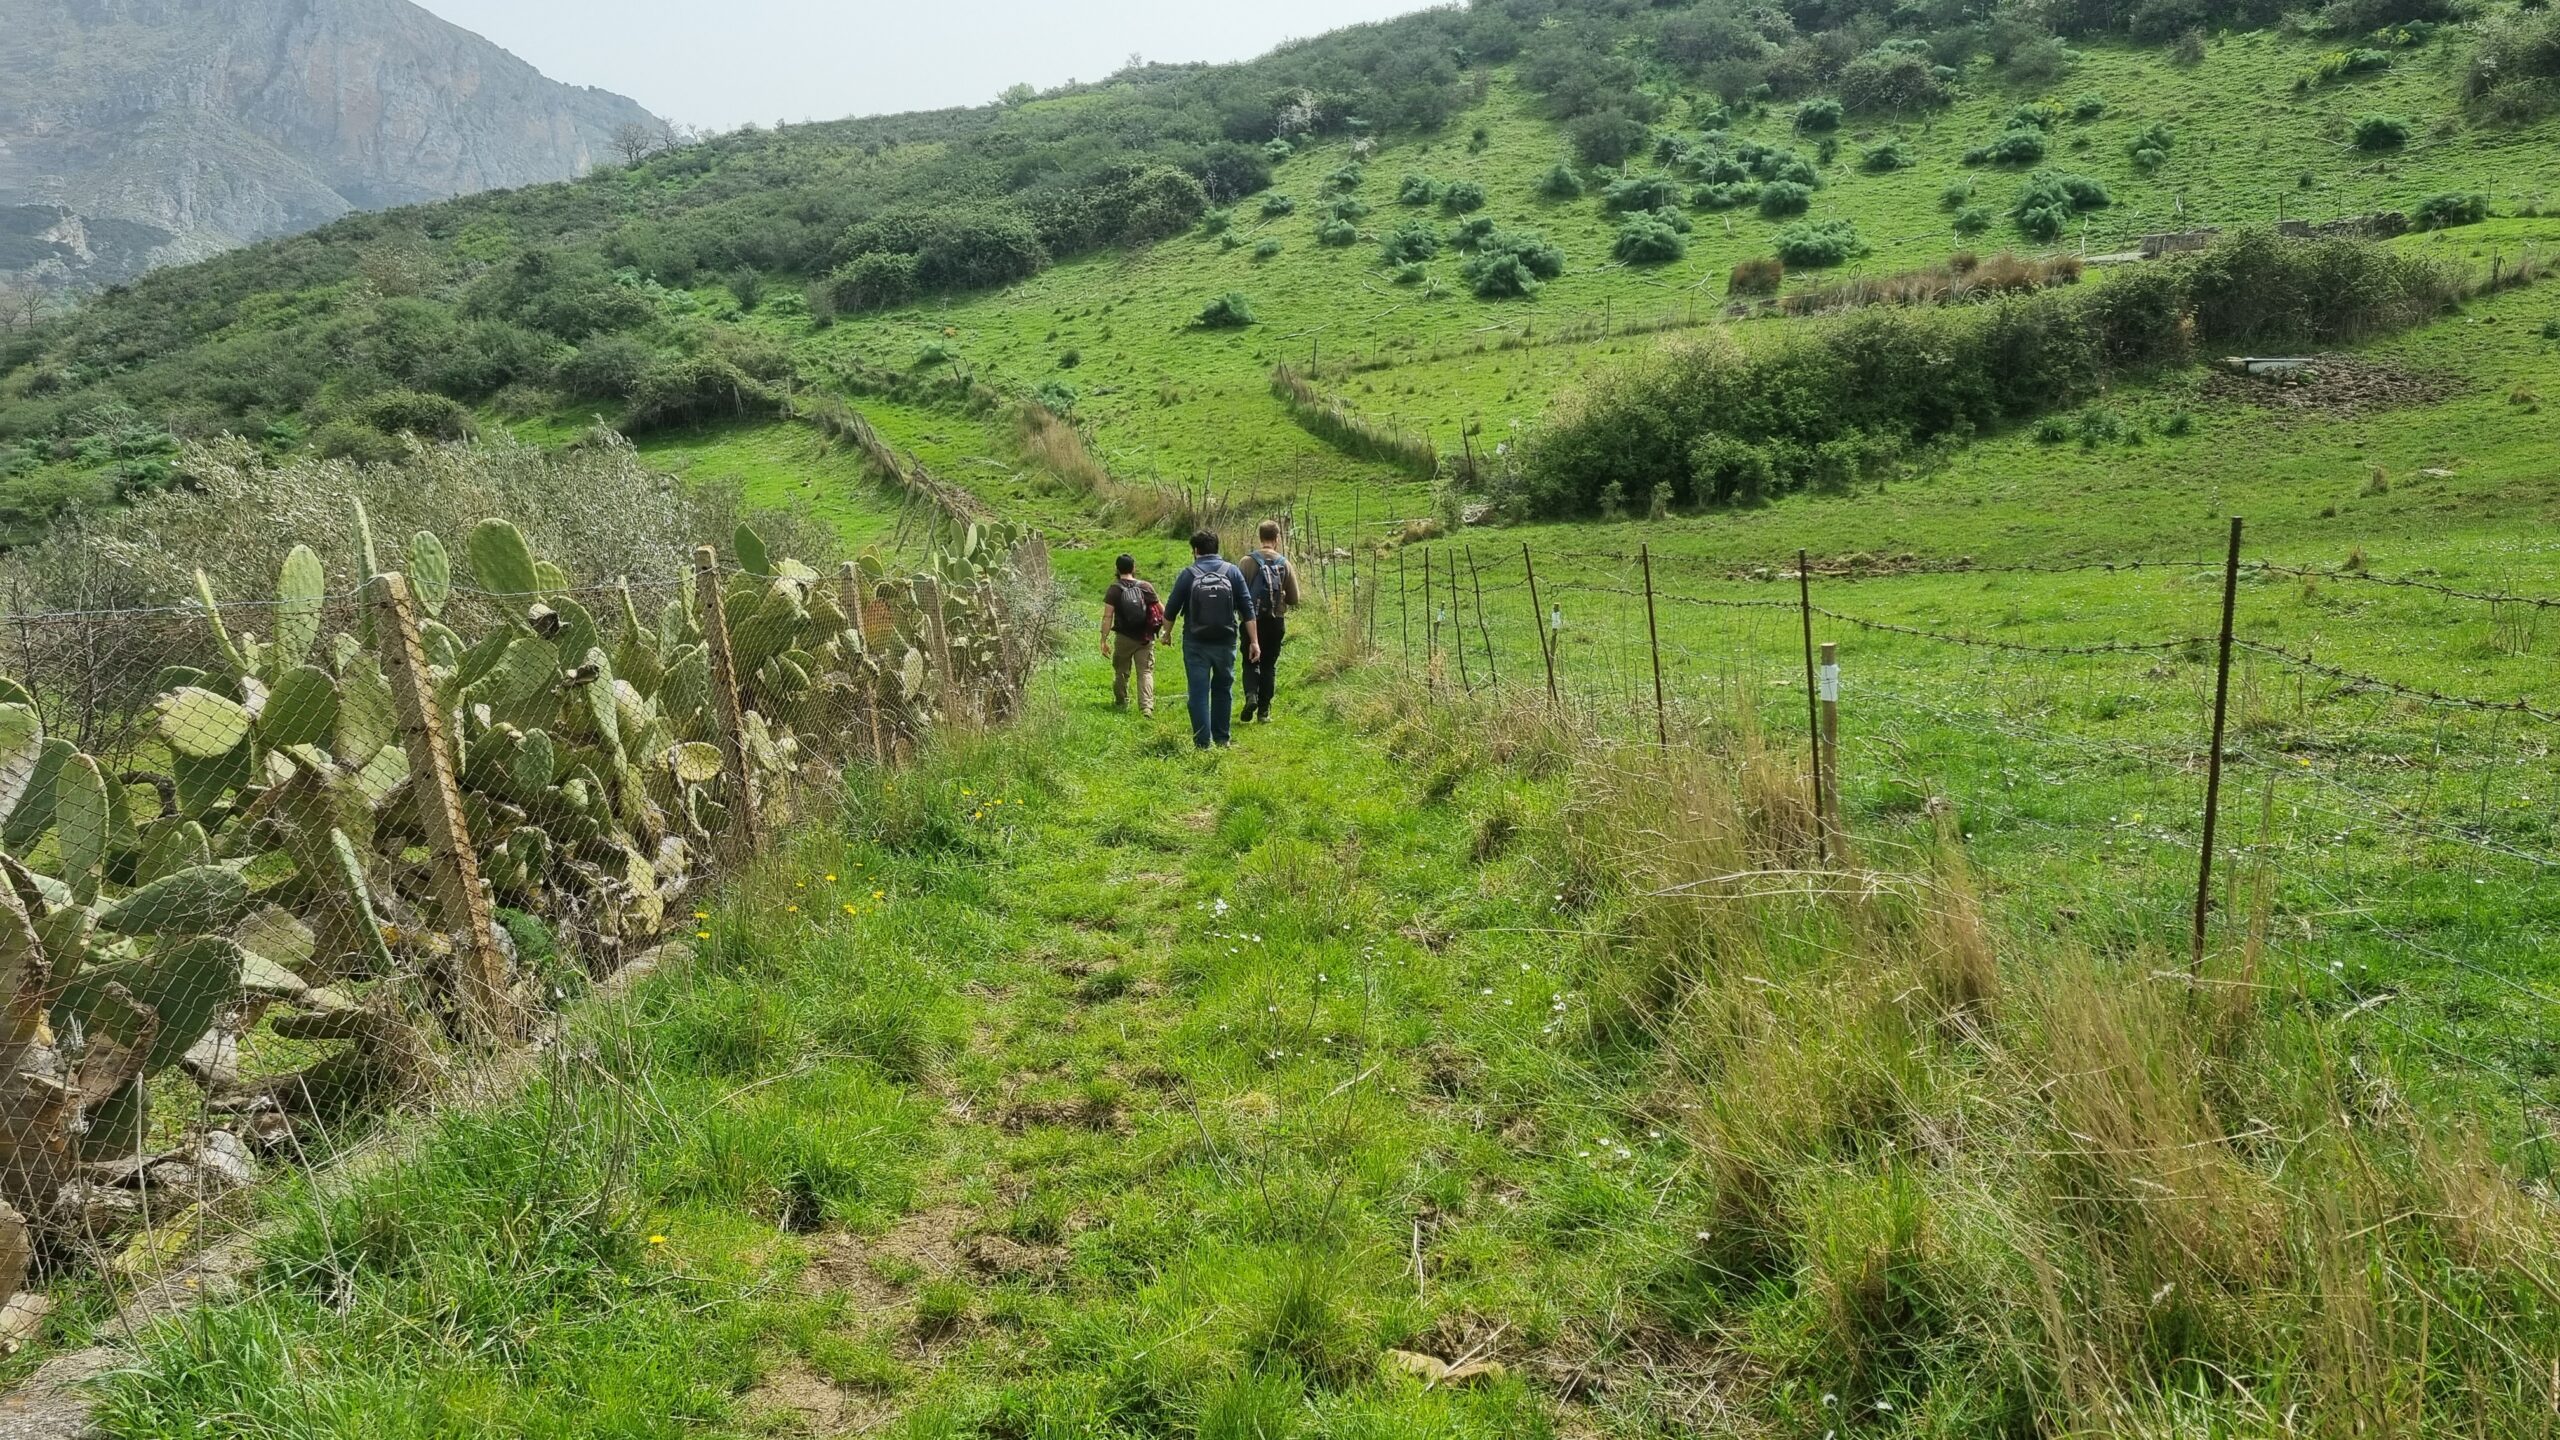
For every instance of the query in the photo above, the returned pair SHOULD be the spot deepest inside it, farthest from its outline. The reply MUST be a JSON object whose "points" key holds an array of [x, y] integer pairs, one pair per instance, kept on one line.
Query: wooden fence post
{"points": [[2213, 760], [746, 820], [462, 904]]}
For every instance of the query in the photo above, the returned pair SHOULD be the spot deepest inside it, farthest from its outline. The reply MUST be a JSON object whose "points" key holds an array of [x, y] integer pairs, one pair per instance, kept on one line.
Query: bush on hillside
{"points": [[1894, 78], [1560, 183], [1347, 177], [411, 412], [2052, 199], [1640, 192], [2438, 212], [1781, 198], [1815, 244], [1346, 207], [2088, 105], [1971, 220], [1471, 235], [2379, 132], [693, 389], [964, 248], [1648, 240], [1417, 190], [1756, 277], [1956, 196], [1231, 311], [1462, 197], [2012, 147], [1276, 206], [2039, 116], [1511, 264], [1337, 234], [2256, 289], [607, 367], [1886, 157], [1266, 249], [1724, 197], [1608, 137], [1818, 116], [2514, 74], [1413, 241]]}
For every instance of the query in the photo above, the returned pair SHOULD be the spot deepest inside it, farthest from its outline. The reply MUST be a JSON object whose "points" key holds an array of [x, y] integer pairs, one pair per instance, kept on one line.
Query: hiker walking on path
{"points": [[1132, 618], [1273, 583], [1213, 604]]}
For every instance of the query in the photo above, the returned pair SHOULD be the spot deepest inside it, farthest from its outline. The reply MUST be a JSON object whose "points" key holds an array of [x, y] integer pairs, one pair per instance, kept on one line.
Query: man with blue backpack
{"points": [[1273, 586], [1213, 604]]}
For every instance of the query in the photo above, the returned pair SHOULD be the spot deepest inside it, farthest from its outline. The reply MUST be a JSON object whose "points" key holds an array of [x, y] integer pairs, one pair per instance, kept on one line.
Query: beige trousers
{"points": [[1138, 655]]}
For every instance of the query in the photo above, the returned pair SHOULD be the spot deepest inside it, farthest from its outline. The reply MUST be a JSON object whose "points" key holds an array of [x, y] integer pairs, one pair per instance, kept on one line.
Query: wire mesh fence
{"points": [[2388, 838], [275, 866]]}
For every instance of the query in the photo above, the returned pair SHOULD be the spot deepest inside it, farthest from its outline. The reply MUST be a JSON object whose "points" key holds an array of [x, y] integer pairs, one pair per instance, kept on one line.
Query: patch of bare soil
{"points": [[2331, 386], [796, 1400]]}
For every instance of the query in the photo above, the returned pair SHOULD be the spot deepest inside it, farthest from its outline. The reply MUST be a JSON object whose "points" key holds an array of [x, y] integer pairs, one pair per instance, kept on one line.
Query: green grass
{"points": [[1073, 1084]]}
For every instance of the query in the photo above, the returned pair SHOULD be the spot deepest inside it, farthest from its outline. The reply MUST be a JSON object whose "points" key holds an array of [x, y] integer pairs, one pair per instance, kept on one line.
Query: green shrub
{"points": [[1276, 206], [1267, 249], [2088, 106], [1608, 137], [1956, 196], [606, 367], [2051, 200], [1417, 190], [1413, 274], [2040, 117], [2158, 138], [1648, 240], [1511, 264], [2437, 212], [1818, 116], [1471, 235], [1347, 177], [1724, 197], [691, 389], [1560, 183], [1347, 207], [1894, 78], [1462, 197], [1640, 192], [1231, 311], [412, 412], [873, 280], [2013, 147], [1815, 244], [1215, 222], [1337, 234], [1886, 157], [1409, 243], [1756, 277], [1781, 198], [2379, 132]]}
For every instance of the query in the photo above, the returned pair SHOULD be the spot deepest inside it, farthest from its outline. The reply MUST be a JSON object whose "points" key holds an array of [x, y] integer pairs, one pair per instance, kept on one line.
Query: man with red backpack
{"points": [[1132, 618], [1211, 600]]}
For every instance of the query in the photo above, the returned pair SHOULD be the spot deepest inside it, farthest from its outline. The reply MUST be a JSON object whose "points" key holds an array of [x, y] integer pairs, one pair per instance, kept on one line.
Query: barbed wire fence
{"points": [[2390, 842], [277, 868]]}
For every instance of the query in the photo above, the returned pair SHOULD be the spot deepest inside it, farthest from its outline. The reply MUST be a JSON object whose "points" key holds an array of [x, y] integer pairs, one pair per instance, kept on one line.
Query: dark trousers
{"points": [[1258, 675], [1209, 673]]}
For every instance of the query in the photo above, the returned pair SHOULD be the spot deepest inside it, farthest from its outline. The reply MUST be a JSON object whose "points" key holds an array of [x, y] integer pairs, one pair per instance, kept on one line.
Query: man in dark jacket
{"points": [[1130, 615], [1273, 583], [1213, 604]]}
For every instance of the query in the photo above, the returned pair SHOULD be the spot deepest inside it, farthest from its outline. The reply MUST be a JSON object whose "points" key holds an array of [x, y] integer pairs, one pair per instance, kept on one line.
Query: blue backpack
{"points": [[1210, 614]]}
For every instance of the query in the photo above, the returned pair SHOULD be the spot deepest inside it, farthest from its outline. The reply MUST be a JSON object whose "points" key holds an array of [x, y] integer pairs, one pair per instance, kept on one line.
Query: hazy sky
{"points": [[724, 62]]}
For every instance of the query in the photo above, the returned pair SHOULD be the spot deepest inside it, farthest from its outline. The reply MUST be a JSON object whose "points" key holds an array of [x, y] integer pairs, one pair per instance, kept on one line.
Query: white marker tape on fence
{"points": [[1831, 683], [1555, 618]]}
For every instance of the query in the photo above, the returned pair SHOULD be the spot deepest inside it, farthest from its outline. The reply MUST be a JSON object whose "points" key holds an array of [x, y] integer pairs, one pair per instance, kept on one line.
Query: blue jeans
{"points": [[1210, 672]]}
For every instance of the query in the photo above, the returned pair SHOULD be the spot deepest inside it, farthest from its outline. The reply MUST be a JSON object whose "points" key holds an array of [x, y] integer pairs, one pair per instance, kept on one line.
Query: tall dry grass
{"points": [[2000, 1184], [1051, 444]]}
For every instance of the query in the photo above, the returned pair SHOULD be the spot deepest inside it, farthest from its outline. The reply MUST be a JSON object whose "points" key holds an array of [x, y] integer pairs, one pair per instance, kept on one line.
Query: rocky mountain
{"points": [[136, 133]]}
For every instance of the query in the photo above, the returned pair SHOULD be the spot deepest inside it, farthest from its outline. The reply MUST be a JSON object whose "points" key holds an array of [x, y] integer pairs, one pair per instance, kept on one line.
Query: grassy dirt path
{"points": [[1070, 1084]]}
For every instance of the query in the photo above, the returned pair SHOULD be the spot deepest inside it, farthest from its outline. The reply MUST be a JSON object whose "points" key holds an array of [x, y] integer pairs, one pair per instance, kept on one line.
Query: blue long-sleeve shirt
{"points": [[1181, 601]]}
